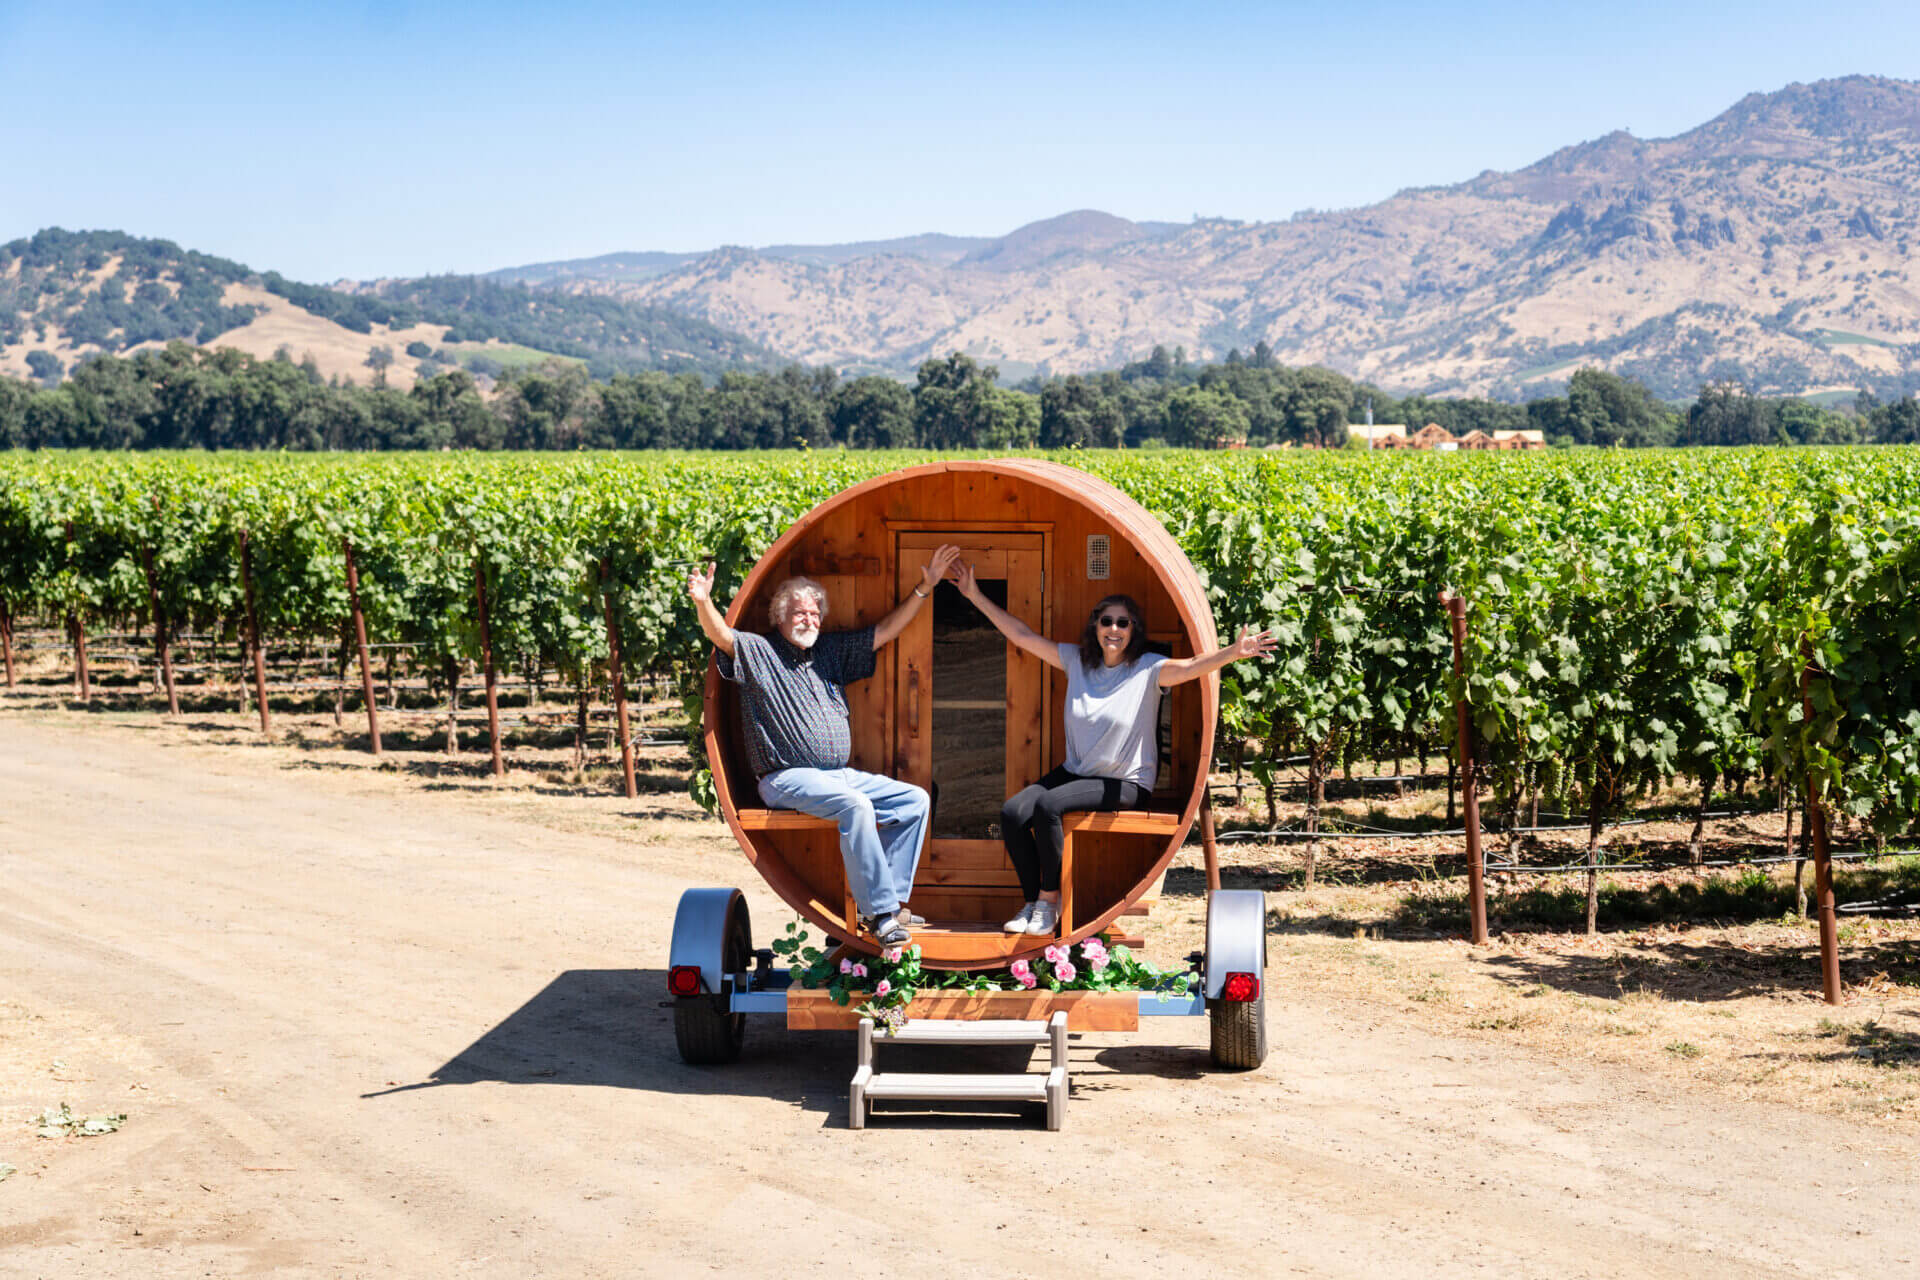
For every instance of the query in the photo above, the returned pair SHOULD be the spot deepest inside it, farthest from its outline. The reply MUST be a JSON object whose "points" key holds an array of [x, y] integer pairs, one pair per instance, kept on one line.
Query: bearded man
{"points": [[794, 706]]}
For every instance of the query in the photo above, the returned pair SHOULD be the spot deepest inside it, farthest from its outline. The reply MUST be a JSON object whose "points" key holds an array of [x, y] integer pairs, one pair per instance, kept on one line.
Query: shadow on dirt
{"points": [[1872, 1042], [1697, 971], [612, 1028], [607, 1027]]}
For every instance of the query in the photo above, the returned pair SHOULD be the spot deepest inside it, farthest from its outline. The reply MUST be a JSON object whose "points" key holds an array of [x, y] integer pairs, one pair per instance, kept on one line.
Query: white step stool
{"points": [[1050, 1088]]}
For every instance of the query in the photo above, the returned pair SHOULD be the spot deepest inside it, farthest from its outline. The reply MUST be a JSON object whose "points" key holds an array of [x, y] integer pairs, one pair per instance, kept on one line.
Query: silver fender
{"points": [[1236, 936], [700, 932]]}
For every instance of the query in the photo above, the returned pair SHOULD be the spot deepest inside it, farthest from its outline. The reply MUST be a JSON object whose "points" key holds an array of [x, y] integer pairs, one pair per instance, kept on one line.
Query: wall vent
{"points": [[1099, 553]]}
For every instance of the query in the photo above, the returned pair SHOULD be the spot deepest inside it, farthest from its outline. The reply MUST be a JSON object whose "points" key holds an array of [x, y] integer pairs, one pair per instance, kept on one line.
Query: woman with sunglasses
{"points": [[1113, 699]]}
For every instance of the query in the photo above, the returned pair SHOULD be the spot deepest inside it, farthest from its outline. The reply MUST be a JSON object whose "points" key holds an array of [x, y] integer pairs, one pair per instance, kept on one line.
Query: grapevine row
{"points": [[1632, 618]]}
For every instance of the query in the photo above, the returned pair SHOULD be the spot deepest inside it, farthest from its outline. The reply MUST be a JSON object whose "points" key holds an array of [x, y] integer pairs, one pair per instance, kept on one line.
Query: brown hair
{"points": [[1090, 654]]}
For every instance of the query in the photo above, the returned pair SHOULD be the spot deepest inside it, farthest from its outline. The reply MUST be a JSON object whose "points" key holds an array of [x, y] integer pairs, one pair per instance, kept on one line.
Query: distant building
{"points": [[1519, 439], [1437, 438], [1378, 435]]}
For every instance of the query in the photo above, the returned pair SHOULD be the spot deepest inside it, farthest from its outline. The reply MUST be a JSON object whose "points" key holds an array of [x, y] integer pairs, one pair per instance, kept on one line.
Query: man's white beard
{"points": [[803, 636]]}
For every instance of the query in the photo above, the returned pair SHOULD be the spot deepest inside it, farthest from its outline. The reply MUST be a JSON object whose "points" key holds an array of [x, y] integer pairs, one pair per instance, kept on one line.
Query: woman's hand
{"points": [[1253, 645]]}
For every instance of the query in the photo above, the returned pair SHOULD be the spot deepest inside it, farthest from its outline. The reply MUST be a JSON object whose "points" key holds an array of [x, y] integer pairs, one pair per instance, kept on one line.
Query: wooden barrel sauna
{"points": [[955, 708]]}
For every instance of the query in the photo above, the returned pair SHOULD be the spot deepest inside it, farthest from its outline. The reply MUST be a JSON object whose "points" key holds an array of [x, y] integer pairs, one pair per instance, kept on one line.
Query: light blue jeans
{"points": [[883, 825]]}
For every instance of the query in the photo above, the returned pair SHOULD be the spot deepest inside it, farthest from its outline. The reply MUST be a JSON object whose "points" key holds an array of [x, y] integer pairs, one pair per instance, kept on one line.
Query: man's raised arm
{"points": [[712, 621], [889, 627]]}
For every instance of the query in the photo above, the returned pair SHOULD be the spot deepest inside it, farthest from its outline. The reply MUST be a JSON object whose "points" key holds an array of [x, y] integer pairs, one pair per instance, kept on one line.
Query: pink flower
{"points": [[1064, 970], [882, 987], [892, 954], [1099, 961], [846, 966], [859, 970], [1023, 974], [1055, 954]]}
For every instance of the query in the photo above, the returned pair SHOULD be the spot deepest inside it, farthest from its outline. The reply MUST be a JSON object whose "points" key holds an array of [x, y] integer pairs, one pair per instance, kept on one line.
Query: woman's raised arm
{"points": [[1251, 644], [1019, 633]]}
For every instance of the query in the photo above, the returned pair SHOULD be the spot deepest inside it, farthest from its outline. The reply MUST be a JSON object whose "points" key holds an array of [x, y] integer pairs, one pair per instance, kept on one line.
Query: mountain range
{"points": [[1770, 244]]}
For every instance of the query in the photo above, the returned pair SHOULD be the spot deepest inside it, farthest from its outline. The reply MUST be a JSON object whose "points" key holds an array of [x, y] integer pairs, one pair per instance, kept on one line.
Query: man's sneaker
{"points": [[890, 932], [1019, 923], [906, 917], [1045, 919]]}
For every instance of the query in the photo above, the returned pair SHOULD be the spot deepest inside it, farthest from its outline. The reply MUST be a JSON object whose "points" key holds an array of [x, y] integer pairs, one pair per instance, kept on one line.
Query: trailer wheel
{"points": [[705, 1031], [1239, 1032]]}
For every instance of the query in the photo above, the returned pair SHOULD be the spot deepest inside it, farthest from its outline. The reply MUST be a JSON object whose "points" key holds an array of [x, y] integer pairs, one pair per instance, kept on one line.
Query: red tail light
{"points": [[684, 980], [1241, 987]]}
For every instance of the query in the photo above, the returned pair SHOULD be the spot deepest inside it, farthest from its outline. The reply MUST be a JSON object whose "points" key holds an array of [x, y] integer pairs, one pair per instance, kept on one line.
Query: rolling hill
{"points": [[65, 295]]}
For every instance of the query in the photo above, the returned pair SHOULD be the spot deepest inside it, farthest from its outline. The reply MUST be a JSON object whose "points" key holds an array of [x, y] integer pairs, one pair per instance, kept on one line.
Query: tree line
{"points": [[185, 397]]}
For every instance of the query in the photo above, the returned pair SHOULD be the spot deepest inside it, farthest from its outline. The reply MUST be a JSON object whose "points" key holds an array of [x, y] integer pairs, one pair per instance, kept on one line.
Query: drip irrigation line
{"points": [[1518, 868], [1291, 833], [1364, 832], [1578, 826]]}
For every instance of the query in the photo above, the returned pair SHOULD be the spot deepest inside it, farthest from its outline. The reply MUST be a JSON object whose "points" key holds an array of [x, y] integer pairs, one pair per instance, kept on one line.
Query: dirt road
{"points": [[364, 1027]]}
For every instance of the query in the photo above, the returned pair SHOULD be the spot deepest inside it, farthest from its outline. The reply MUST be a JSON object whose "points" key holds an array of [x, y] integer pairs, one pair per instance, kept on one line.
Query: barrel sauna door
{"points": [[970, 717]]}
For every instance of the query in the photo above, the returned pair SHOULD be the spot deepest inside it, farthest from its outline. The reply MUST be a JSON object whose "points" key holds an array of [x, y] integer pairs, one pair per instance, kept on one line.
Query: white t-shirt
{"points": [[1111, 714]]}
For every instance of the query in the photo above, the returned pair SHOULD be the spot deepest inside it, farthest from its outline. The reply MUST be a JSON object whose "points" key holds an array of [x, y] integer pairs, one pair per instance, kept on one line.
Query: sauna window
{"points": [[969, 681]]}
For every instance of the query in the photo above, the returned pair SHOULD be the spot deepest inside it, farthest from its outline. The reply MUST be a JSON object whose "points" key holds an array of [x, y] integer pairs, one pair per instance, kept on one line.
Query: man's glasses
{"points": [[1121, 623]]}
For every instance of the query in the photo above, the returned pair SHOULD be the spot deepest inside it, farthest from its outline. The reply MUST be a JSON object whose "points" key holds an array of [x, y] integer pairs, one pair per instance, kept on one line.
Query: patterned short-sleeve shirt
{"points": [[793, 700]]}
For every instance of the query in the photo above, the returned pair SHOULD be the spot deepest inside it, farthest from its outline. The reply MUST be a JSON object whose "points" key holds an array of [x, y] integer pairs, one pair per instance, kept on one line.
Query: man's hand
{"points": [[700, 585], [963, 579], [943, 558], [1251, 645], [712, 624]]}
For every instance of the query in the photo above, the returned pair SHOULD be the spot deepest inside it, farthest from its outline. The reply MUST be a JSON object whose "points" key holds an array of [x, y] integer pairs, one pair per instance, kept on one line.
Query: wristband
{"points": [[924, 595]]}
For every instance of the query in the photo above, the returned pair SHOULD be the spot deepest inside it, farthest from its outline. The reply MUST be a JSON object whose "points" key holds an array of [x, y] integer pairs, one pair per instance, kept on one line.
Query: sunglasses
{"points": [[1120, 623]]}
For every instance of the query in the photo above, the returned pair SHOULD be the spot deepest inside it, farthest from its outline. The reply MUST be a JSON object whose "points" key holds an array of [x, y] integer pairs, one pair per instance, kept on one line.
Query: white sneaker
{"points": [[1019, 923], [1045, 919]]}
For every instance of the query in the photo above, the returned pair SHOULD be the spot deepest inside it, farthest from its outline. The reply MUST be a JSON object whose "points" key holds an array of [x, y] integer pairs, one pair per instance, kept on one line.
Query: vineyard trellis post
{"points": [[6, 638], [486, 659], [1822, 860], [619, 682], [77, 633], [1456, 606], [253, 632], [160, 633], [1208, 845], [360, 640]]}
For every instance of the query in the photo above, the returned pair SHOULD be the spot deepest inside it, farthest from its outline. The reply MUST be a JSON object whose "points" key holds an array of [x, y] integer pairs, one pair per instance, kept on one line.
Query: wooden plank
{"points": [[782, 820], [966, 853], [1085, 1010], [913, 679], [1026, 674], [1127, 821], [985, 906], [963, 877]]}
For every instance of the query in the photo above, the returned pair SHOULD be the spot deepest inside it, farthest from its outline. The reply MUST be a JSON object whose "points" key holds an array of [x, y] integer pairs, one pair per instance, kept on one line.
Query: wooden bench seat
{"points": [[1118, 821], [1125, 821]]}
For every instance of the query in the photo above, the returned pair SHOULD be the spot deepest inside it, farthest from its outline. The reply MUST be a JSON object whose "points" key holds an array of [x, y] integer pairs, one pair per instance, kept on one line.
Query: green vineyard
{"points": [[1632, 619]]}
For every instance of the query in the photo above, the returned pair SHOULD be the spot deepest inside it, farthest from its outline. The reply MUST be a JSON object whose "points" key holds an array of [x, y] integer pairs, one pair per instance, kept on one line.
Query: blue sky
{"points": [[360, 139]]}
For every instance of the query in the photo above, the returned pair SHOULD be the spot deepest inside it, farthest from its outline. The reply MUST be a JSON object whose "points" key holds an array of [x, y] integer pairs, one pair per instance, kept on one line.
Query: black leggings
{"points": [[1030, 822]]}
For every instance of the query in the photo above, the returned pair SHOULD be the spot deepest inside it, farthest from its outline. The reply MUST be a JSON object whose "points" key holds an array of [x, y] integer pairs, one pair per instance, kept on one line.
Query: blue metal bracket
{"points": [[1155, 1005]]}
